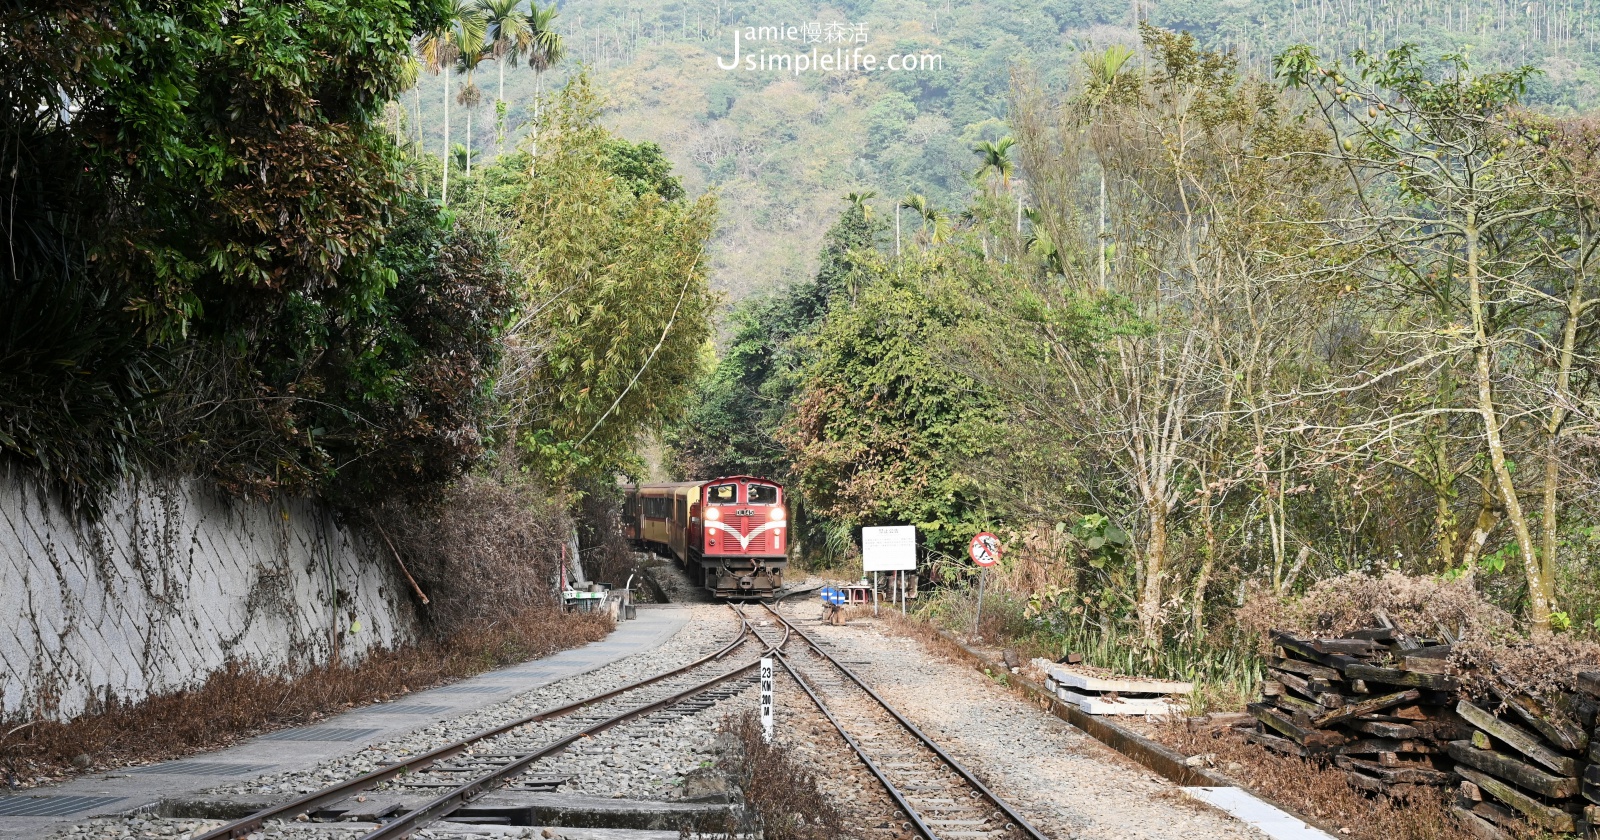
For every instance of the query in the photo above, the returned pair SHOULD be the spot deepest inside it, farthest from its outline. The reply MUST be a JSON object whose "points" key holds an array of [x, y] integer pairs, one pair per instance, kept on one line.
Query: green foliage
{"points": [[407, 379], [218, 264], [616, 291], [732, 426], [642, 168], [883, 425], [781, 147]]}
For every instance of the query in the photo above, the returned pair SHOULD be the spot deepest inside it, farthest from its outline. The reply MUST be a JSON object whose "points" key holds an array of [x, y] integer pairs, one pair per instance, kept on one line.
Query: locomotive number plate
{"points": [[745, 512]]}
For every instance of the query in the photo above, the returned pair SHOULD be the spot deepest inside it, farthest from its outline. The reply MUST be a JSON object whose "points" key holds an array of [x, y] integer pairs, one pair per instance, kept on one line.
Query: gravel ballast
{"points": [[644, 759], [1066, 783]]}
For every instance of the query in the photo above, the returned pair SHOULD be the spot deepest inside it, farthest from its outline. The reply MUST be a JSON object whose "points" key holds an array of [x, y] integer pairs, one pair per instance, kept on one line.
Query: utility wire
{"points": [[648, 359]]}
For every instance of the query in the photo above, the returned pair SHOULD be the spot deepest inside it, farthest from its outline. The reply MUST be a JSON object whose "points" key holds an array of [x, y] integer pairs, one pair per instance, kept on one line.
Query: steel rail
{"points": [[442, 806], [861, 753], [336, 792], [960, 770], [447, 803]]}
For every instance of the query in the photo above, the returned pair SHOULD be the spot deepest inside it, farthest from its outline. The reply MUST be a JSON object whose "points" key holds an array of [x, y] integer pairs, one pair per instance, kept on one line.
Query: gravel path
{"points": [[1066, 783]]}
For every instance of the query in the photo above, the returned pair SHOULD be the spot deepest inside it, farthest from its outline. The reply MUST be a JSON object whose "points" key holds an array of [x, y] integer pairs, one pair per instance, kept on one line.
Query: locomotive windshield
{"points": [[763, 495], [723, 494]]}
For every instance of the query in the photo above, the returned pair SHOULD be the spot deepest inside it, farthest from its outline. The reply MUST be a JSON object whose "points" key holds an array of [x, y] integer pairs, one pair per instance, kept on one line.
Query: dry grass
{"points": [[1337, 606], [607, 555], [1544, 668], [1319, 792], [1316, 792], [239, 702], [780, 793], [483, 552]]}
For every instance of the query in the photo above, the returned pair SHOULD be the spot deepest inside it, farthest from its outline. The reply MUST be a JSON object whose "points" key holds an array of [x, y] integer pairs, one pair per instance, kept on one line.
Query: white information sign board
{"points": [[766, 699], [892, 549]]}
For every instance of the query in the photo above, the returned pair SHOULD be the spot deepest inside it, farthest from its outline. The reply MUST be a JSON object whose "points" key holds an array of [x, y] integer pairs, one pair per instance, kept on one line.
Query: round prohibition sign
{"points": [[985, 549]]}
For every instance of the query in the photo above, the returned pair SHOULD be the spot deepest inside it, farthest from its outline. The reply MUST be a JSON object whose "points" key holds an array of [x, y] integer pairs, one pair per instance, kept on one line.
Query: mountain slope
{"points": [[783, 149]]}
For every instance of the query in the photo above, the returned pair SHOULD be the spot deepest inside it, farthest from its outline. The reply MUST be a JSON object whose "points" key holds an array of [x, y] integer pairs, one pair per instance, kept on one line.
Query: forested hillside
{"points": [[781, 149]]}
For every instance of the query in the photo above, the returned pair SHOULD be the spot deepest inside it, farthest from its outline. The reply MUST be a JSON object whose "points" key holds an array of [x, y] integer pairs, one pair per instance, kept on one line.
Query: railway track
{"points": [[505, 756], [938, 798]]}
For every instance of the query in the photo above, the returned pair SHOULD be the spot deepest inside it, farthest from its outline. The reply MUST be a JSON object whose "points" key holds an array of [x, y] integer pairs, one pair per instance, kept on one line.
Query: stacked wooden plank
{"points": [[1378, 704], [1525, 761]]}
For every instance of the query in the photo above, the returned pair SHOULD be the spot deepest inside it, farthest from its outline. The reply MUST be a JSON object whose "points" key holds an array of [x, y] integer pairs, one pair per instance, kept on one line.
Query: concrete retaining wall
{"points": [[172, 583]]}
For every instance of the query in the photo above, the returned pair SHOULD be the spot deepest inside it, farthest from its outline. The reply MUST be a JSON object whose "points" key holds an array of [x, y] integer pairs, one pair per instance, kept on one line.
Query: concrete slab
{"points": [[146, 788], [1073, 679], [1097, 705], [1267, 818]]}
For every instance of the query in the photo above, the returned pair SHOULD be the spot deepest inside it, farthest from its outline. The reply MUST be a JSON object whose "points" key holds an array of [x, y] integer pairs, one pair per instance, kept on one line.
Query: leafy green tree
{"points": [[1481, 241], [616, 300], [883, 426], [642, 167], [222, 186], [739, 407], [394, 398]]}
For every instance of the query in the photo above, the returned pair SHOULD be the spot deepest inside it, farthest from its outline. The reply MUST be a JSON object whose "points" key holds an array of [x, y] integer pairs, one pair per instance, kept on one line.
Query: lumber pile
{"points": [[1378, 704], [1527, 760], [1383, 706]]}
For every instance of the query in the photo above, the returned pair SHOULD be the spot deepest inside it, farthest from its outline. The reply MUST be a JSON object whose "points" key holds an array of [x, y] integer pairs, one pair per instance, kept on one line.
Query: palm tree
{"points": [[508, 31], [858, 200], [1106, 81], [996, 156], [439, 52], [940, 221], [473, 50], [1040, 244], [461, 157], [545, 50], [912, 201]]}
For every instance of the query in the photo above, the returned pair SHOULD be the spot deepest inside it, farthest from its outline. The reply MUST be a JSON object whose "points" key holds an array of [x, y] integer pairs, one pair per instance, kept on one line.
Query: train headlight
{"points": [[776, 514], [712, 515]]}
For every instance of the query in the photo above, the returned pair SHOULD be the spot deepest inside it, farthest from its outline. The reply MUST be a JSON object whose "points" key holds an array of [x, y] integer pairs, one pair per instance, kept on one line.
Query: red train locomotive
{"points": [[731, 534]]}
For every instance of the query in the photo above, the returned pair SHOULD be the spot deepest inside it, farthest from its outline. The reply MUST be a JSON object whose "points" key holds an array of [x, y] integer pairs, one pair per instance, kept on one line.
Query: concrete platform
{"points": [[35, 813]]}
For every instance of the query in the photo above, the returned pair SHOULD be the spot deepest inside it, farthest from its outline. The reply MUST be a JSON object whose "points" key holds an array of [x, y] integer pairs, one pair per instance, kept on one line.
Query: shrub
{"points": [[486, 550]]}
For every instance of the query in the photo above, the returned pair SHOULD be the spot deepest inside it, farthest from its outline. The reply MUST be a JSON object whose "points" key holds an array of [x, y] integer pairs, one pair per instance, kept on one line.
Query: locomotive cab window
{"points": [[763, 495], [724, 494]]}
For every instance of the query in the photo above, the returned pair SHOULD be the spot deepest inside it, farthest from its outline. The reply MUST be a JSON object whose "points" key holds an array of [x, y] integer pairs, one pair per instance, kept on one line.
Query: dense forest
{"points": [[1205, 338], [779, 148], [226, 263], [1183, 320]]}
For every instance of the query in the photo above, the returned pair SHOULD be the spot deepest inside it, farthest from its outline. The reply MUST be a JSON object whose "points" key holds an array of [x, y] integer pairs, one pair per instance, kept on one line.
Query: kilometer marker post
{"points": [[767, 700]]}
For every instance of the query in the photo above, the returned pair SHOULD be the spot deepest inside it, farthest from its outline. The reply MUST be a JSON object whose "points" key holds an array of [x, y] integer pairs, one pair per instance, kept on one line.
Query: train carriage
{"points": [[731, 534]]}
